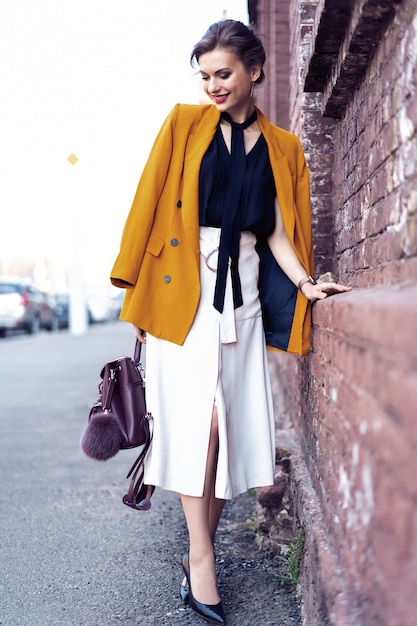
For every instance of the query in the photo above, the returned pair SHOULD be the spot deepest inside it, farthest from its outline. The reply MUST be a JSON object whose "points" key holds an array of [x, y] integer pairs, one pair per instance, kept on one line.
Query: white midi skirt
{"points": [[223, 362]]}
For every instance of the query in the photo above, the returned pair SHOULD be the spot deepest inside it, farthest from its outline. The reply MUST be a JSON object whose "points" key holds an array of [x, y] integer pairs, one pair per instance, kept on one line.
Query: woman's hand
{"points": [[139, 334], [320, 291]]}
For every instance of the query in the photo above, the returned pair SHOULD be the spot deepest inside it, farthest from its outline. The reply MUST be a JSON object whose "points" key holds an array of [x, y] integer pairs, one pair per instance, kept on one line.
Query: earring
{"points": [[252, 89]]}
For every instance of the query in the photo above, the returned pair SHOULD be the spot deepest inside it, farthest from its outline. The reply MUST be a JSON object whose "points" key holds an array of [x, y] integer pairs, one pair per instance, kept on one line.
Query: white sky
{"points": [[95, 78]]}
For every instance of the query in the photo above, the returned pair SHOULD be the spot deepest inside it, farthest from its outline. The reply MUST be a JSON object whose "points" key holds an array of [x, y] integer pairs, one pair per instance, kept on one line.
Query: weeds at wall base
{"points": [[292, 559]]}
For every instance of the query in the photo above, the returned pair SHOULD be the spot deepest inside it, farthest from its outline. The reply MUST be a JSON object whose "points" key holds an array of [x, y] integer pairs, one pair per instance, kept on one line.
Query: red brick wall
{"points": [[375, 170], [353, 401]]}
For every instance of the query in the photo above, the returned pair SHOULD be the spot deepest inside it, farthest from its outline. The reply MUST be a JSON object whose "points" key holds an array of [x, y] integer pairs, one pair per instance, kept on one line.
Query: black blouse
{"points": [[257, 203]]}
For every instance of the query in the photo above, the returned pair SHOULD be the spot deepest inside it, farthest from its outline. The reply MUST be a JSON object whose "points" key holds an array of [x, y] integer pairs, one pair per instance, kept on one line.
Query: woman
{"points": [[221, 209]]}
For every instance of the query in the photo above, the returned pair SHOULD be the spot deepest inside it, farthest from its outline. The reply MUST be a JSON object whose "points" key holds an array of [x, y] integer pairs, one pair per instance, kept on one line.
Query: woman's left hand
{"points": [[139, 334], [320, 291]]}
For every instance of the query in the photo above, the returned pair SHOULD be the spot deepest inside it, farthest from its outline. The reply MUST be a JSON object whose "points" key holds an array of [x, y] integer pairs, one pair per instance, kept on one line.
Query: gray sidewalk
{"points": [[70, 552]]}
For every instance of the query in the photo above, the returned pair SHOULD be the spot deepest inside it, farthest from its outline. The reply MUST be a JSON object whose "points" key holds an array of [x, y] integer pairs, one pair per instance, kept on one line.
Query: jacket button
{"points": [[174, 242], [179, 204], [167, 279]]}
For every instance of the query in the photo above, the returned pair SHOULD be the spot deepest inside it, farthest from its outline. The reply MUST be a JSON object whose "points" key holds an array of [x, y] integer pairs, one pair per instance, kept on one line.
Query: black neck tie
{"points": [[230, 226]]}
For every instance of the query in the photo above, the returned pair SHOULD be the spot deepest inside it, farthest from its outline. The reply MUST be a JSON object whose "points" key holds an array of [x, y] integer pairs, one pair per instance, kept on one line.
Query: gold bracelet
{"points": [[306, 279]]}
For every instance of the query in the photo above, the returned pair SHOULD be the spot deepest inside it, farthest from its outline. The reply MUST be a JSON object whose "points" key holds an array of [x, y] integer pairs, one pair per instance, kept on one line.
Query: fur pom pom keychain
{"points": [[102, 437]]}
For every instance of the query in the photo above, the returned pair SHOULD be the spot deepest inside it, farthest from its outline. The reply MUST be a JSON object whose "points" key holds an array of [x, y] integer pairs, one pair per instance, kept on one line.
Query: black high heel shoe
{"points": [[212, 613], [185, 589]]}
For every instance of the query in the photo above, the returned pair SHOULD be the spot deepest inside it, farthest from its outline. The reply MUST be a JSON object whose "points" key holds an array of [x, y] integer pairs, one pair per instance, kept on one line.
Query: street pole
{"points": [[77, 310]]}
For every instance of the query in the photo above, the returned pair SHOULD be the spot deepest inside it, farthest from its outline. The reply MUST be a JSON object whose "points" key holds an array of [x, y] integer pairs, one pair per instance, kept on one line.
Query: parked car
{"points": [[24, 307], [62, 301], [116, 301], [99, 308]]}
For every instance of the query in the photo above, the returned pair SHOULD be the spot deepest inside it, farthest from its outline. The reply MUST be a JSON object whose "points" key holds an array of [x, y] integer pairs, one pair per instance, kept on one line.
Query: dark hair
{"points": [[237, 37]]}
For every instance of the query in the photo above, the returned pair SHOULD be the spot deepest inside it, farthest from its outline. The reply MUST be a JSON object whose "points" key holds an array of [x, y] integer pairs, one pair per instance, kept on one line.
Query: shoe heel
{"points": [[185, 589]]}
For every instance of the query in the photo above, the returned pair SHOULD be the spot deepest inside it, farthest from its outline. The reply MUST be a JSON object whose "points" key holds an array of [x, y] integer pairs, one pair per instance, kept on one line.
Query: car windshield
{"points": [[8, 288]]}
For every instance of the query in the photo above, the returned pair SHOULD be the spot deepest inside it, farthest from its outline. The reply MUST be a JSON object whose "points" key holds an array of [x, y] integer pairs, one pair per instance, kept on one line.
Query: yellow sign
{"points": [[72, 159]]}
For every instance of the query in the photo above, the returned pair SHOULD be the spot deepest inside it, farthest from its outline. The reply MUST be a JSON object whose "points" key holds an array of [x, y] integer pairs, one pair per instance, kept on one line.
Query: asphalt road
{"points": [[70, 552]]}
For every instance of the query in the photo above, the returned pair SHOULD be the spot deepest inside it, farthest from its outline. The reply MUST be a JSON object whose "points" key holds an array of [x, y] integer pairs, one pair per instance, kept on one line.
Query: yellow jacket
{"points": [[159, 256]]}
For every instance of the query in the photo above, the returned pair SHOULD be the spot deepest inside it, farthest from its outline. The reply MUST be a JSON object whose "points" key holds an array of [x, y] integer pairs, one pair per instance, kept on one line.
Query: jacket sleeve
{"points": [[139, 222], [303, 238]]}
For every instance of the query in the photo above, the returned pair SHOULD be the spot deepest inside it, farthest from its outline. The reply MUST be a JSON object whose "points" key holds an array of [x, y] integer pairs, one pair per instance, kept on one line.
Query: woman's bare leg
{"points": [[215, 512], [202, 516]]}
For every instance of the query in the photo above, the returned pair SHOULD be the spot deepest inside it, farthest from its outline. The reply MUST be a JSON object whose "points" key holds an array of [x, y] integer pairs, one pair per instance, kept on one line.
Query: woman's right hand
{"points": [[139, 334]]}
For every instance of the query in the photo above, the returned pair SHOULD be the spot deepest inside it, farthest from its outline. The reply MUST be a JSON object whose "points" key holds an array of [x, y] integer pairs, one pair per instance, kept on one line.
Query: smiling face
{"points": [[227, 82]]}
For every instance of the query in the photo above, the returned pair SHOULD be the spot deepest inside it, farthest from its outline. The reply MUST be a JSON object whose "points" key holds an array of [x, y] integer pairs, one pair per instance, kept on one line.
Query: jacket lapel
{"points": [[282, 175], [197, 145]]}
